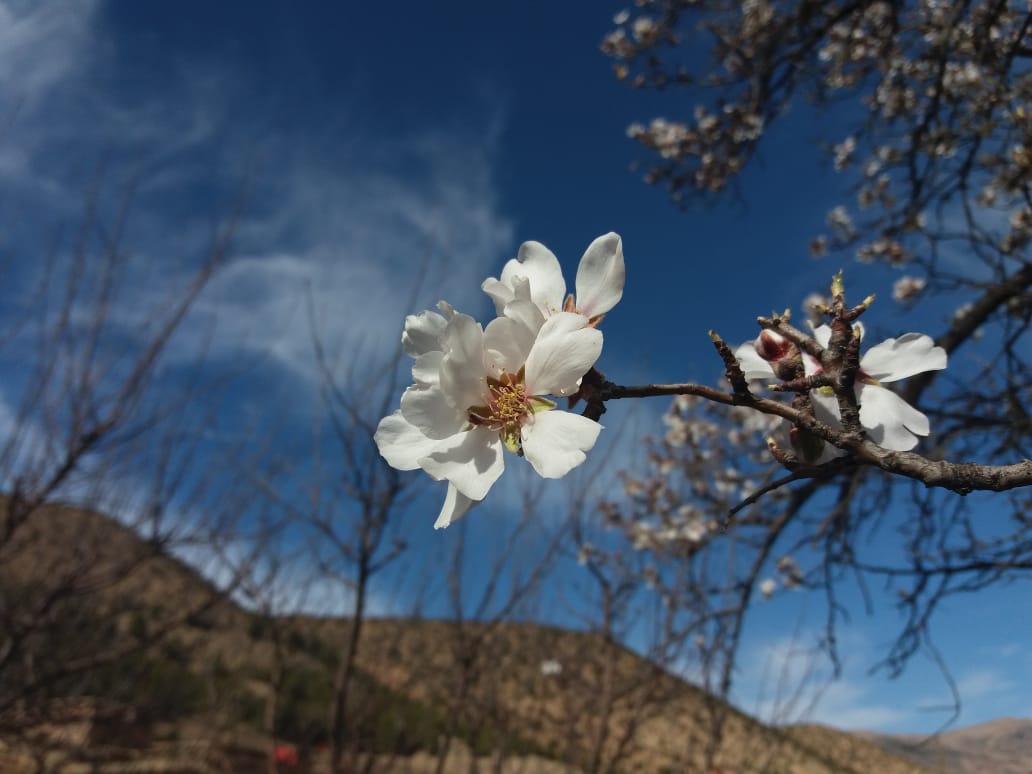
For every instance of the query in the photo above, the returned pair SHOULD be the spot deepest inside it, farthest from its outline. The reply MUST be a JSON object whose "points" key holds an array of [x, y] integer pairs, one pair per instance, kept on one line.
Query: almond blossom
{"points": [[478, 391], [535, 274], [888, 420]]}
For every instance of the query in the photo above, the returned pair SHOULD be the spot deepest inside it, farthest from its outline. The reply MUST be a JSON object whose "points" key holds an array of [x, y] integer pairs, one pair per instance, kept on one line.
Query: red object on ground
{"points": [[285, 754]]}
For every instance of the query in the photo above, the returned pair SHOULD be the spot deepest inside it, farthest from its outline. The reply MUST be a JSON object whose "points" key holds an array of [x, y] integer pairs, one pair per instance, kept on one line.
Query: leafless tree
{"points": [[936, 154], [936, 151], [99, 462]]}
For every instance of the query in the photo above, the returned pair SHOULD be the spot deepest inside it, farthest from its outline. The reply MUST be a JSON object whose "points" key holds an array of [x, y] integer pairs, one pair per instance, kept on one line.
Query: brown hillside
{"points": [[198, 689], [1002, 746]]}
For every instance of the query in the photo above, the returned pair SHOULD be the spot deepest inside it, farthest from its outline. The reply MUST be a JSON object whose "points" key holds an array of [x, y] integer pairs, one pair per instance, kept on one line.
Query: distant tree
{"points": [[937, 148], [99, 450]]}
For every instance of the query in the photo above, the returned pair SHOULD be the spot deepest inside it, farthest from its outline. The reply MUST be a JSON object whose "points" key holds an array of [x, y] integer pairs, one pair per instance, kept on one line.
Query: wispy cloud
{"points": [[359, 226], [789, 681]]}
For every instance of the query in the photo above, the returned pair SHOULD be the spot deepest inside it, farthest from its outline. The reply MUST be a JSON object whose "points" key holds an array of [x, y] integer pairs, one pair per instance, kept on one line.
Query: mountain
{"points": [[113, 651], [1002, 746]]}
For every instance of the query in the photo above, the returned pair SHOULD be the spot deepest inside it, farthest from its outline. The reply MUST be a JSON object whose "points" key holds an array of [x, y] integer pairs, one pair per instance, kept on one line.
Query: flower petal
{"points": [[455, 507], [554, 442], [889, 420], [564, 351], [426, 370], [499, 292], [527, 313], [471, 460], [401, 443], [753, 366], [600, 275], [826, 409], [540, 266], [462, 368], [822, 334], [426, 408], [423, 333], [912, 353], [508, 342]]}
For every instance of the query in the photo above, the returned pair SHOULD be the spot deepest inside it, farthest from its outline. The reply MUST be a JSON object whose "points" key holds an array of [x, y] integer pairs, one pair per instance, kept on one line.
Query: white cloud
{"points": [[347, 219], [40, 44], [983, 682], [788, 680]]}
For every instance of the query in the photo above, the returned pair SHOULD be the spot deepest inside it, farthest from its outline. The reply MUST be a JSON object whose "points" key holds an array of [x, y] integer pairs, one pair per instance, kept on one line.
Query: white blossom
{"points": [[482, 391], [906, 289], [888, 419], [535, 275]]}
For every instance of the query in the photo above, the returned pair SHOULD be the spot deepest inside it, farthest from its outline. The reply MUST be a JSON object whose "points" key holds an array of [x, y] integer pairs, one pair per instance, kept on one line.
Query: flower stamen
{"points": [[508, 407]]}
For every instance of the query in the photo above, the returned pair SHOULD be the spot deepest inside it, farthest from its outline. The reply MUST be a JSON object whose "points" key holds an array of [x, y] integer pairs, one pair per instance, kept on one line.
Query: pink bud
{"points": [[772, 346]]}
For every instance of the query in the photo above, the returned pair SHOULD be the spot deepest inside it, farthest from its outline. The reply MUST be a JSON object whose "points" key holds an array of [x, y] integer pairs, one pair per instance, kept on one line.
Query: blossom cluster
{"points": [[481, 390], [945, 134], [887, 419]]}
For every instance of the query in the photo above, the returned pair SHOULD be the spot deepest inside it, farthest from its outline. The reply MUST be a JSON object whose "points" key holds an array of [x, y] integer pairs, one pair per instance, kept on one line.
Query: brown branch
{"points": [[959, 477]]}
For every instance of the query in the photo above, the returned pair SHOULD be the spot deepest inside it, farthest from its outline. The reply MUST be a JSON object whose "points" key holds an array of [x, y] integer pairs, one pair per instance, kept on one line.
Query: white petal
{"points": [[401, 443], [472, 461], [423, 333], [455, 507], [426, 370], [554, 442], [425, 407], [753, 366], [508, 342], [540, 266], [810, 365], [912, 353], [498, 291], [826, 409], [564, 351], [462, 369], [527, 313], [822, 333], [600, 275], [889, 420]]}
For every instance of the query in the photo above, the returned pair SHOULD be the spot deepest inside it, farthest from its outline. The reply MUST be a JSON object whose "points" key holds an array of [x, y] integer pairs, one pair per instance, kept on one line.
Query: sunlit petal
{"points": [[462, 368], [910, 354], [564, 351], [889, 420], [426, 408], [472, 461], [455, 507], [401, 443], [554, 442], [600, 276], [753, 366], [541, 268]]}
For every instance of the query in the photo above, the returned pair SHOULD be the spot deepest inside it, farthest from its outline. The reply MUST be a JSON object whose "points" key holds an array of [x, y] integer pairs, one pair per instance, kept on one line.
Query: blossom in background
{"points": [[478, 391], [888, 420], [535, 274], [767, 587], [907, 289]]}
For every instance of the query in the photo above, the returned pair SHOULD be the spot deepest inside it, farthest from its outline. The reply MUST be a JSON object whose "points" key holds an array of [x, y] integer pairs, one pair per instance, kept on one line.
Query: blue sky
{"points": [[373, 137]]}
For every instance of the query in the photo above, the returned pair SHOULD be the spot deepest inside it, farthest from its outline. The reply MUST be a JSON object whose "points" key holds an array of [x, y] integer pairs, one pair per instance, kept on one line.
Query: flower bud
{"points": [[772, 346], [782, 354]]}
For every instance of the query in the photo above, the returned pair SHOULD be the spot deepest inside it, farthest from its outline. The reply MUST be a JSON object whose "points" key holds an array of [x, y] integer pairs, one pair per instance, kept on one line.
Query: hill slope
{"points": [[117, 635], [1002, 746]]}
